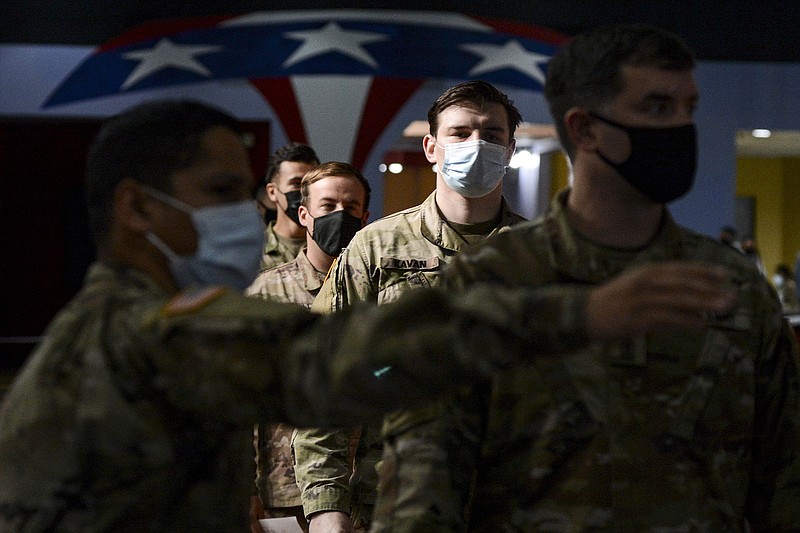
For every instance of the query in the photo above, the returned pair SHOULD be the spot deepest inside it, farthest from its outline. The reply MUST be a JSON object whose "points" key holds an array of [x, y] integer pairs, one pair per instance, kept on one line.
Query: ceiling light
{"points": [[524, 158]]}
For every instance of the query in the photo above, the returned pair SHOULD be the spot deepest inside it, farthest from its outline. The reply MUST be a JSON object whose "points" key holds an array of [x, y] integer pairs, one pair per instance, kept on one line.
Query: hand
{"points": [[658, 297], [330, 522]]}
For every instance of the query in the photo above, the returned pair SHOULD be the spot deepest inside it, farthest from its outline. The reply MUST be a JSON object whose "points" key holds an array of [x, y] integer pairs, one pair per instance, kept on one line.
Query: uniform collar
{"points": [[581, 260], [435, 228], [312, 278]]}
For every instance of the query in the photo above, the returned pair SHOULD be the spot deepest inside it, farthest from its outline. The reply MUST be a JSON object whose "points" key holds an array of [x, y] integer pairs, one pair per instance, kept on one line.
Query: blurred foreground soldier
{"points": [[692, 430]]}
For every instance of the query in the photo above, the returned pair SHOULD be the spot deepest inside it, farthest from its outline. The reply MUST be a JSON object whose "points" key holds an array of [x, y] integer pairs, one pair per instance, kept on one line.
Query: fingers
{"points": [[692, 287], [658, 297]]}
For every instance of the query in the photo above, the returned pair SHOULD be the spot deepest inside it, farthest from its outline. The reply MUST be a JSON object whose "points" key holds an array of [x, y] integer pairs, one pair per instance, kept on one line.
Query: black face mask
{"points": [[332, 232], [293, 199], [270, 215], [662, 163]]}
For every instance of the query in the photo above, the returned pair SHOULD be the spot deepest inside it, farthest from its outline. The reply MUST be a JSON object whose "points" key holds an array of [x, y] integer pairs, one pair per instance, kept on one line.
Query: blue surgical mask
{"points": [[474, 168], [230, 238]]}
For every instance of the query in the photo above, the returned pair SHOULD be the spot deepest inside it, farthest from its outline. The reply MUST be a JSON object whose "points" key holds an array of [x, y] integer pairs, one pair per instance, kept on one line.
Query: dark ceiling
{"points": [[735, 30]]}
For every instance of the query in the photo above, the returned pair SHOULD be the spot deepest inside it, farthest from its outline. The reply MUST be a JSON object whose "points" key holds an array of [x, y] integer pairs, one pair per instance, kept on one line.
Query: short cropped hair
{"points": [[587, 71], [148, 143], [294, 152], [337, 169], [474, 94]]}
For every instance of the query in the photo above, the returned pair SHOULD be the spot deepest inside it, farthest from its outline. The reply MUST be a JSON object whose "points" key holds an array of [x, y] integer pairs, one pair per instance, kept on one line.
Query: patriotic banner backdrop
{"points": [[344, 81]]}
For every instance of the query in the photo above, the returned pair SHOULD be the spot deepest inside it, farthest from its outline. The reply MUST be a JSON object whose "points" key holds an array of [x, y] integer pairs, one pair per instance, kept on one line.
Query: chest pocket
{"points": [[400, 275], [718, 353]]}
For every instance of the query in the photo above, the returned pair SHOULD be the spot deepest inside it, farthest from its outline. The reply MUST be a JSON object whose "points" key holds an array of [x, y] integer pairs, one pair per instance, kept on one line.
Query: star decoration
{"points": [[332, 38], [167, 54], [510, 55]]}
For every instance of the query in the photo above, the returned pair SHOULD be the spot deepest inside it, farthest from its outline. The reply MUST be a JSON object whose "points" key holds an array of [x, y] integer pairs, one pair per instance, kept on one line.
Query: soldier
{"points": [[334, 205], [471, 141], [285, 236], [690, 431]]}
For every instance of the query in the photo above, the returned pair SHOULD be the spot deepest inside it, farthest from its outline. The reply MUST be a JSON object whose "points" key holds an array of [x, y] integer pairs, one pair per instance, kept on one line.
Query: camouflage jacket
{"points": [[136, 411], [392, 255], [278, 250], [672, 432], [295, 282]]}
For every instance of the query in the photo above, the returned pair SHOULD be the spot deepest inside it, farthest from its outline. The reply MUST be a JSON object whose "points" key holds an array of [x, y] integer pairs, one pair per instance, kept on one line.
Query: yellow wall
{"points": [[560, 171], [791, 210], [406, 189], [775, 185]]}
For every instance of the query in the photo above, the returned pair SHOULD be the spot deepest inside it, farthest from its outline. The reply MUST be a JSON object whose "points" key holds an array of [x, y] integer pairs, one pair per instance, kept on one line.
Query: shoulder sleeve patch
{"points": [[410, 264], [194, 300]]}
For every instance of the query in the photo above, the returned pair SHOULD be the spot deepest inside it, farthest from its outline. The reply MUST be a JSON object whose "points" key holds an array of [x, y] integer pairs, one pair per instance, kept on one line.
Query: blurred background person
{"points": [[784, 283]]}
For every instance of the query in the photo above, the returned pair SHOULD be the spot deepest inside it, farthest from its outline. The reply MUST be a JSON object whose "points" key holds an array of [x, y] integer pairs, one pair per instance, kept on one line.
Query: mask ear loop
{"points": [[167, 199], [315, 225], [171, 201], [161, 245]]}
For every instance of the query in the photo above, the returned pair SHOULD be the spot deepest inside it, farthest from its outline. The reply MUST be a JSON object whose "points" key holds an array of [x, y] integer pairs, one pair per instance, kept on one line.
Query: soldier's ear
{"points": [[303, 215], [579, 127], [429, 147], [131, 206], [272, 193]]}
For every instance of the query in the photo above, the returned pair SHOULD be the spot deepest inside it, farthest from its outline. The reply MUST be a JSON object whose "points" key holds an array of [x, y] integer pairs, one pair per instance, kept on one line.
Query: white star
{"points": [[167, 54], [332, 38], [510, 55]]}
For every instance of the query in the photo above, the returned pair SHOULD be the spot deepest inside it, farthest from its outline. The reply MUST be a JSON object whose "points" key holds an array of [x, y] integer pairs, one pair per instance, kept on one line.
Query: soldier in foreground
{"points": [[670, 431], [136, 411]]}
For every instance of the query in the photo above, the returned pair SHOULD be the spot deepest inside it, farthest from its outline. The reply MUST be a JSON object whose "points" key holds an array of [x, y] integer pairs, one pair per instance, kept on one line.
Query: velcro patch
{"points": [[410, 264], [192, 301]]}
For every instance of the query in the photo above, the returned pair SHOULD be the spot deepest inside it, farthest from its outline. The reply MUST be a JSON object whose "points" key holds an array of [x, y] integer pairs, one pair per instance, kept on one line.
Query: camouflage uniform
{"points": [[295, 282], [402, 251], [135, 412], [279, 250], [672, 432]]}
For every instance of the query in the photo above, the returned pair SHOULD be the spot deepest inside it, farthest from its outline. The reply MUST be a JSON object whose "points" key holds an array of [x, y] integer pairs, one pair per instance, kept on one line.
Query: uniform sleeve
{"points": [[242, 359], [322, 469], [430, 455], [775, 487]]}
